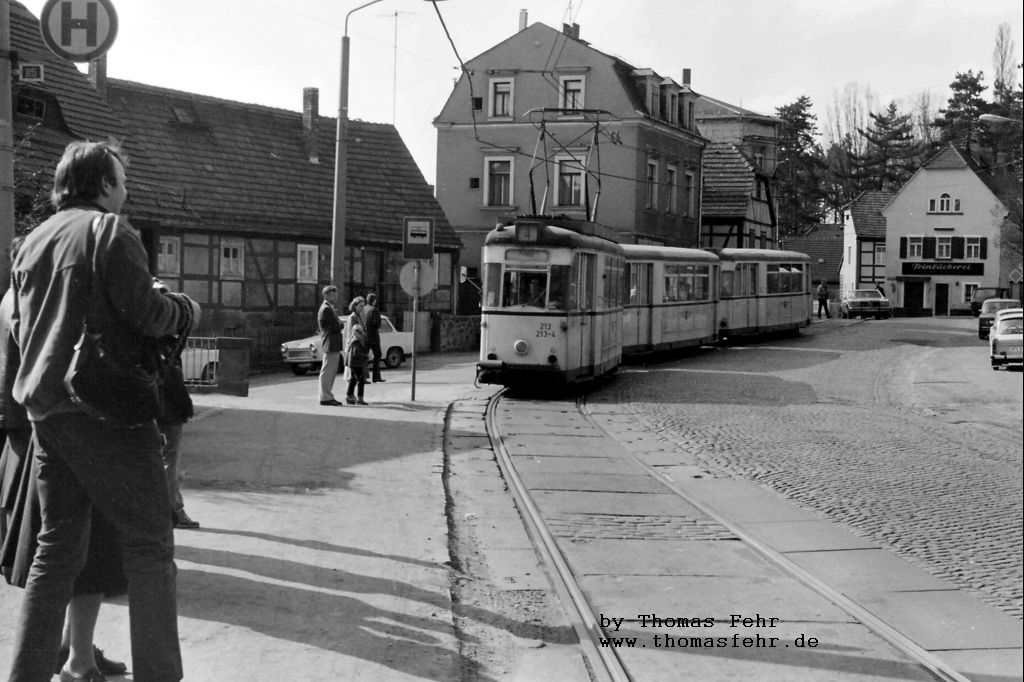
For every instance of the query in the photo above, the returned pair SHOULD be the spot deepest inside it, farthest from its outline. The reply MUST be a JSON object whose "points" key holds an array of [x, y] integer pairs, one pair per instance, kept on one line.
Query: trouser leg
{"points": [[328, 372], [122, 472]]}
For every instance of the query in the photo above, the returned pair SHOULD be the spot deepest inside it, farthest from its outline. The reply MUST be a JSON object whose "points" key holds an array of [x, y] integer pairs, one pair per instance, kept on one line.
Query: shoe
{"points": [[331, 403], [182, 520], [103, 664], [93, 675], [361, 402], [350, 400], [379, 380]]}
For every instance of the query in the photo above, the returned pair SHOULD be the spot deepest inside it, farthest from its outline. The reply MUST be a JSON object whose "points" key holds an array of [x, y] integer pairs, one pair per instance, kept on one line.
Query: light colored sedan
{"points": [[302, 355], [1006, 339]]}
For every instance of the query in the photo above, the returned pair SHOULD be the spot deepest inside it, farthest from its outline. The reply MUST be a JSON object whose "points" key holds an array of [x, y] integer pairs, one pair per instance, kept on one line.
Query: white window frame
{"points": [[563, 94], [972, 244], [169, 259], [879, 253], [307, 272], [672, 183], [232, 258], [915, 247], [943, 248], [492, 98], [651, 201], [577, 171], [969, 288], [488, 160]]}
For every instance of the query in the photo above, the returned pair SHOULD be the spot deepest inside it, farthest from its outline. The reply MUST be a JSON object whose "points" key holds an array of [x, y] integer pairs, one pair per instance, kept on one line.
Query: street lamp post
{"points": [[338, 269], [994, 118]]}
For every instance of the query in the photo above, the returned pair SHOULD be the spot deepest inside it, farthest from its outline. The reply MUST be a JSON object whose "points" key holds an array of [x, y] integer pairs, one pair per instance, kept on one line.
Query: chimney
{"points": [[686, 78], [311, 122], [573, 30], [522, 19], [98, 75]]}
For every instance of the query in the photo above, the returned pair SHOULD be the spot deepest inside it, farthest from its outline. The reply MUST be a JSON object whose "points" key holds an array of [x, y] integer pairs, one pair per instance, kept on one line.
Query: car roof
{"points": [[1009, 312], [991, 302]]}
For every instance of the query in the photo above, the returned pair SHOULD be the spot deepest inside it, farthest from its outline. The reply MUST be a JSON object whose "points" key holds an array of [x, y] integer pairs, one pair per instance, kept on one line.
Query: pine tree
{"points": [[800, 165], [892, 153], [958, 123]]}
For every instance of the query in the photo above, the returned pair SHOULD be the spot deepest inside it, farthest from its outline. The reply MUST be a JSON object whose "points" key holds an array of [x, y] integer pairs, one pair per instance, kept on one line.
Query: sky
{"points": [[760, 54]]}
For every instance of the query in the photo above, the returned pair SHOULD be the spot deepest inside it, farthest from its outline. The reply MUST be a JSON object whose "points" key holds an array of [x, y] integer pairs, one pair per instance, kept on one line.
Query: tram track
{"points": [[604, 662]]}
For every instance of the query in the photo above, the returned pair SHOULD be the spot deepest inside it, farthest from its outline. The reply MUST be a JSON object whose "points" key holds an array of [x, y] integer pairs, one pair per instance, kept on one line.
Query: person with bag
{"points": [[357, 353], [329, 324], [82, 279], [371, 316], [176, 409]]}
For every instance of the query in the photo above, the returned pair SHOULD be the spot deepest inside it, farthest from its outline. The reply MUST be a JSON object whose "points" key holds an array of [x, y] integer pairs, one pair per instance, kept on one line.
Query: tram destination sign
{"points": [[943, 268]]}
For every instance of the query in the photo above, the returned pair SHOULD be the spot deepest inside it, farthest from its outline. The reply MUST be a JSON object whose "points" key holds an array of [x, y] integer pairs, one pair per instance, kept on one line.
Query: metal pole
{"points": [[6, 148], [415, 315], [338, 269]]}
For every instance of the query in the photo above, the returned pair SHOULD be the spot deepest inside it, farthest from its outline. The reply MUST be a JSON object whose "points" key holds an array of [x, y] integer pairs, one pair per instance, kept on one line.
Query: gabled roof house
{"points": [[737, 203], [864, 242]]}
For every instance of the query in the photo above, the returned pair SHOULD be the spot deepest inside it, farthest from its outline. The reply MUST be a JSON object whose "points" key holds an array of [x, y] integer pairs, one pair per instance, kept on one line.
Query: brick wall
{"points": [[457, 333]]}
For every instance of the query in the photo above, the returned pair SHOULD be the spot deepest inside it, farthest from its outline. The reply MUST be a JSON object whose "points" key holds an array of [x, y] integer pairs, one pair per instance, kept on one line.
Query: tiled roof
{"points": [[709, 107], [230, 166], [728, 181], [824, 244], [868, 221], [83, 112]]}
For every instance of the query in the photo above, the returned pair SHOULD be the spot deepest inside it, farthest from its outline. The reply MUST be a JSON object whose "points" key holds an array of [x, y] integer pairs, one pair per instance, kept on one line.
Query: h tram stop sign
{"points": [[78, 30], [418, 238], [417, 278]]}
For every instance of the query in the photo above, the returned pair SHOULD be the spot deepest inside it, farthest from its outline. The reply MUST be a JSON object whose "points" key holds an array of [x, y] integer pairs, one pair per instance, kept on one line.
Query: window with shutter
{"points": [[958, 247], [929, 248]]}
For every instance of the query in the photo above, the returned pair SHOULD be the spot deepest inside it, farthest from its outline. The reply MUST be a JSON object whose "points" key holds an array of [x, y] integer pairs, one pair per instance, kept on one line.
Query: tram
{"points": [[563, 301]]}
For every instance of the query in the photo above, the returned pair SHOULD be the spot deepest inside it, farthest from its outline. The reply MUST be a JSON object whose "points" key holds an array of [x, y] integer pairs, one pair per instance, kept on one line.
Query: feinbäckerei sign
{"points": [[943, 268]]}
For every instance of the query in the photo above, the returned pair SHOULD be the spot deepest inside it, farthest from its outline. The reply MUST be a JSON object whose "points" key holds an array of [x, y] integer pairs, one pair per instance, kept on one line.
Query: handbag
{"points": [[103, 386]]}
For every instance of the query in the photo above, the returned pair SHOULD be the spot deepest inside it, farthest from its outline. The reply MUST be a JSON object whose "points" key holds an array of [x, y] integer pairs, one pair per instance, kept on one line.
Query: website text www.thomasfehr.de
{"points": [[740, 631]]}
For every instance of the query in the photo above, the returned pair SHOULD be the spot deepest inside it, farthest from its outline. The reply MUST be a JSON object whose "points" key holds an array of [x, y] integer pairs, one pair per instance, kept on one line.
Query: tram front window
{"points": [[535, 289]]}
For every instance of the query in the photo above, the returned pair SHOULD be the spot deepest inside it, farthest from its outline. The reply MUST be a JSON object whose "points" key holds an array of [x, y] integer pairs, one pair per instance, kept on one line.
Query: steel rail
{"points": [[604, 662], [940, 669]]}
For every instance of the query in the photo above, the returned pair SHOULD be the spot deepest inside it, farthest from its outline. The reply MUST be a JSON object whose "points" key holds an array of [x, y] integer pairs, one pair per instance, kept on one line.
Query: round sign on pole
{"points": [[78, 30], [412, 285]]}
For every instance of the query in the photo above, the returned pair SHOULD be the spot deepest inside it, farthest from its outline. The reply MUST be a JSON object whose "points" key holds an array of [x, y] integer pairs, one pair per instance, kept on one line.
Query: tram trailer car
{"points": [[763, 291], [552, 303], [670, 300]]}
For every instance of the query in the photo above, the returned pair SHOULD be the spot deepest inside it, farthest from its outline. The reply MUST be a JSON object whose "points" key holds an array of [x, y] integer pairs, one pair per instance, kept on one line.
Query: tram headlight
{"points": [[521, 347]]}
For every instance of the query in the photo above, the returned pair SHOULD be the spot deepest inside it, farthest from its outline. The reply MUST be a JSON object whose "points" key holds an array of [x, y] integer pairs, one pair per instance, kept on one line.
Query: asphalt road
{"points": [[897, 429]]}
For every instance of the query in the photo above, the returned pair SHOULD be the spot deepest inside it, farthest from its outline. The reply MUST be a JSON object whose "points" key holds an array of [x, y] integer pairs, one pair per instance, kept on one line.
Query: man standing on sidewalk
{"points": [[86, 265], [330, 344], [371, 319], [822, 296]]}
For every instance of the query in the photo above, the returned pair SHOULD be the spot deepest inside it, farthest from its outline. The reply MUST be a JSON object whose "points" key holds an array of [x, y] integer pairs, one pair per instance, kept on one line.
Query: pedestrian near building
{"points": [[371, 316], [356, 352], [86, 268], [330, 344], [822, 295]]}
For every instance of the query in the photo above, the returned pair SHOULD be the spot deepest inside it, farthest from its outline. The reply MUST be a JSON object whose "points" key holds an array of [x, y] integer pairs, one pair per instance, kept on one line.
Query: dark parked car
{"points": [[988, 313], [982, 294]]}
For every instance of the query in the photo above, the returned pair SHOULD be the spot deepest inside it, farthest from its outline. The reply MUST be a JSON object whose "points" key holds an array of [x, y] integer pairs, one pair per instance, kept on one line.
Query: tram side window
{"points": [[561, 276], [773, 279], [726, 283], [492, 284], [700, 283], [585, 271]]}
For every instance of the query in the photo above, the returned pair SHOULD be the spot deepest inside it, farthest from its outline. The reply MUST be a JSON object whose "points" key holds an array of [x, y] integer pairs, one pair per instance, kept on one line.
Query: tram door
{"points": [[583, 319]]}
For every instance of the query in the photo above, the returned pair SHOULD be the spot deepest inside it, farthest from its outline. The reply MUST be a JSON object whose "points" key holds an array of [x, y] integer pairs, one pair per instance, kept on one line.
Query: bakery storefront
{"points": [[936, 288]]}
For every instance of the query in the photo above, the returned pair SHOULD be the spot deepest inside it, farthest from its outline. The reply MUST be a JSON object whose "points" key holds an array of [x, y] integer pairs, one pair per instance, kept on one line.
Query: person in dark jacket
{"points": [[371, 316], [330, 344], [86, 268]]}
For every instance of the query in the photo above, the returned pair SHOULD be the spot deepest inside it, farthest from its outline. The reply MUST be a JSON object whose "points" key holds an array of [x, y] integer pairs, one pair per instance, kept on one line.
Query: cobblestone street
{"points": [[897, 429]]}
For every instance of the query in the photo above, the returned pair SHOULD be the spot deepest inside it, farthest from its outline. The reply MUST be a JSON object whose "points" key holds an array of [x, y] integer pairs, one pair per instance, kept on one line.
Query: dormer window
{"points": [[31, 106], [183, 114]]}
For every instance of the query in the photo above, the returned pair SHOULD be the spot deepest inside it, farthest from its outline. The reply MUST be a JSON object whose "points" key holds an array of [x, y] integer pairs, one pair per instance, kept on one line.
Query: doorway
{"points": [[913, 298], [941, 299]]}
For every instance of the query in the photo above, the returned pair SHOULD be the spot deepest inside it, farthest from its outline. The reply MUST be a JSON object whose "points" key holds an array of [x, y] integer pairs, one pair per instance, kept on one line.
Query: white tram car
{"points": [[562, 301]]}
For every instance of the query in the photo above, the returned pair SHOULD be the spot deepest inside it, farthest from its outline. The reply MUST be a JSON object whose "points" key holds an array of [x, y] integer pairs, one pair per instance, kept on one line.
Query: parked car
{"points": [[865, 303], [988, 313], [1006, 345], [199, 360], [303, 355], [982, 294]]}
